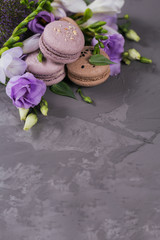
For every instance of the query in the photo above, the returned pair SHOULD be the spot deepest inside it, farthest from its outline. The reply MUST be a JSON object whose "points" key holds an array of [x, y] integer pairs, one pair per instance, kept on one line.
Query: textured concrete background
{"points": [[89, 172]]}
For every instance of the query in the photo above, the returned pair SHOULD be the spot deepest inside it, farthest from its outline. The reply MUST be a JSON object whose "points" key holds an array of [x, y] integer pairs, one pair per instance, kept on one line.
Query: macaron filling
{"points": [[51, 77], [86, 79]]}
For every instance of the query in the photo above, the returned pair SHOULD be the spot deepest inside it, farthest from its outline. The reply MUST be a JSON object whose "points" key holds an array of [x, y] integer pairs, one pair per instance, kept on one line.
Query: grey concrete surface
{"points": [[89, 172]]}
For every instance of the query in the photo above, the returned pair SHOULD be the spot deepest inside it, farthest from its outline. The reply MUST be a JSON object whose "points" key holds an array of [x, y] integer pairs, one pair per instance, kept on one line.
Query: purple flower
{"points": [[114, 47], [111, 21], [38, 24], [25, 91]]}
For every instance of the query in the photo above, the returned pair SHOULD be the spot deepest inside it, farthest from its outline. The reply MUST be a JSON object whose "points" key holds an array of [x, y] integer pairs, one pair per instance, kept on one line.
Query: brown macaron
{"points": [[82, 73]]}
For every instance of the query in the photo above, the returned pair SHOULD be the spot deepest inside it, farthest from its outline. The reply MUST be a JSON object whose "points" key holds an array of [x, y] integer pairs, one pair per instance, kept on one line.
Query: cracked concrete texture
{"points": [[89, 172]]}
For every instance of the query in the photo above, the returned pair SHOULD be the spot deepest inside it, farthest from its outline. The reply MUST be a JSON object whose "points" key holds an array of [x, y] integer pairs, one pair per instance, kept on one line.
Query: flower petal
{"points": [[73, 6], [2, 76], [111, 21], [108, 6], [31, 44], [6, 61], [16, 67], [15, 52]]}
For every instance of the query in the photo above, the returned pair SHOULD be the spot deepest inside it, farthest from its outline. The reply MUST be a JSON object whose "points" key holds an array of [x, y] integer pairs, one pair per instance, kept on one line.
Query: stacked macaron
{"points": [[82, 73], [61, 43]]}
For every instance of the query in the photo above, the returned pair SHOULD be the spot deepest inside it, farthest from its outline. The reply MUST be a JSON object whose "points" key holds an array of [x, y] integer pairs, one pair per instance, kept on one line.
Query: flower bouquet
{"points": [[82, 39]]}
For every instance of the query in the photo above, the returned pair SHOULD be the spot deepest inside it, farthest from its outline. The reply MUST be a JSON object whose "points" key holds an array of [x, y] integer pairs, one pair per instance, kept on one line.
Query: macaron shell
{"points": [[63, 38], [50, 80], [70, 20], [90, 82], [46, 67], [83, 73], [54, 56], [48, 71]]}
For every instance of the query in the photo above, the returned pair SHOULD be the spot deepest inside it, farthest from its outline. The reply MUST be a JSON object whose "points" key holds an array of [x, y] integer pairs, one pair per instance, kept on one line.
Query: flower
{"points": [[23, 113], [114, 47], [11, 65], [58, 11], [25, 91], [72, 5], [97, 6], [31, 120], [44, 107], [108, 6], [133, 54], [38, 24], [31, 44], [132, 35]]}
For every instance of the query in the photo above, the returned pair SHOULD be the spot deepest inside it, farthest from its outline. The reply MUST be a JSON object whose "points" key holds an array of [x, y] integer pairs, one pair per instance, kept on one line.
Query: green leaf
{"points": [[62, 89], [99, 60], [40, 56]]}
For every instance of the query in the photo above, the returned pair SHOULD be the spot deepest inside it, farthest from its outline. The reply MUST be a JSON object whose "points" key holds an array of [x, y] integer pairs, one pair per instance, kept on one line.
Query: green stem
{"points": [[85, 99]]}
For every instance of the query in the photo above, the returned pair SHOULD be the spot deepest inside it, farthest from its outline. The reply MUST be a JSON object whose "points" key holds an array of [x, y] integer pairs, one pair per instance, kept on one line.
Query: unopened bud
{"points": [[125, 54], [23, 113], [126, 16], [44, 110], [31, 120], [134, 54], [132, 35], [145, 60], [44, 107], [126, 61]]}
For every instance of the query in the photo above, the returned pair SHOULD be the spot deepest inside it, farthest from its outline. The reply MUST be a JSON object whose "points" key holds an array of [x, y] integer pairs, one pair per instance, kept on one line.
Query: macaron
{"points": [[85, 74], [48, 71], [70, 20], [61, 42]]}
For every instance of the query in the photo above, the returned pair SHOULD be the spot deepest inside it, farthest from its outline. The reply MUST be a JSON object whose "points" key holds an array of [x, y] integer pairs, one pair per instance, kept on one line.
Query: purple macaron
{"points": [[62, 42], [48, 71]]}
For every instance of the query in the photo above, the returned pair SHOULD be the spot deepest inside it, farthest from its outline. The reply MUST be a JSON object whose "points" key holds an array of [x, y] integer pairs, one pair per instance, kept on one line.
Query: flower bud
{"points": [[145, 60], [126, 16], [134, 54], [23, 113], [3, 50], [125, 54], [126, 61], [132, 35], [31, 44], [31, 120], [87, 99], [44, 110], [44, 107]]}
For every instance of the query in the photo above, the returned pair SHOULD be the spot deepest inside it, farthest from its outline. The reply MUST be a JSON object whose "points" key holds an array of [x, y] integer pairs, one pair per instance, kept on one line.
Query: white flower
{"points": [[100, 8], [31, 44], [2, 75], [58, 11], [11, 65], [107, 6], [97, 6], [72, 5]]}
